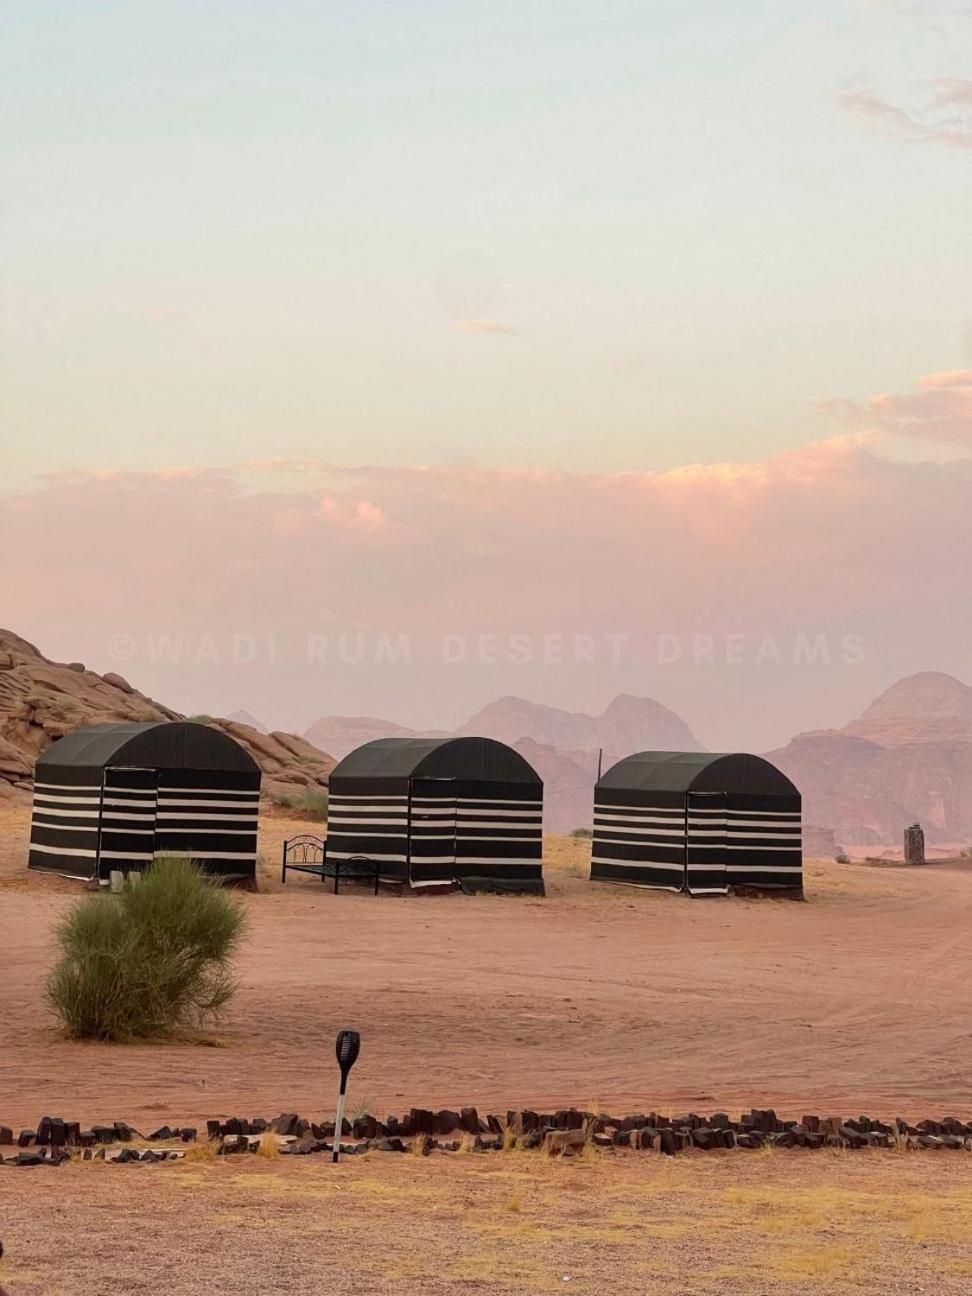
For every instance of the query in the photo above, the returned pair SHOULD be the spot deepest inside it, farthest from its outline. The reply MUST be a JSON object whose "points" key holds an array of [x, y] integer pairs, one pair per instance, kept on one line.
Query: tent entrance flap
{"points": [[705, 843], [129, 808], [432, 811]]}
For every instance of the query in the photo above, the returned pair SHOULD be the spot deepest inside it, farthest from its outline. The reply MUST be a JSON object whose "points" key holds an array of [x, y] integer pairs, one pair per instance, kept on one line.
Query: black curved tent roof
{"points": [[159, 744], [698, 772], [460, 758]]}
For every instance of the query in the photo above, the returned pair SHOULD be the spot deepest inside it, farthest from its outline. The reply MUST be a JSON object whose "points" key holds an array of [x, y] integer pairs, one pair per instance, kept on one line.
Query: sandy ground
{"points": [[855, 1001], [510, 1224]]}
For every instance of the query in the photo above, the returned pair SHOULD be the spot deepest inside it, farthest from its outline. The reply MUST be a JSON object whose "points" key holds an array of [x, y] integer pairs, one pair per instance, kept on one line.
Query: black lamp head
{"points": [[346, 1049]]}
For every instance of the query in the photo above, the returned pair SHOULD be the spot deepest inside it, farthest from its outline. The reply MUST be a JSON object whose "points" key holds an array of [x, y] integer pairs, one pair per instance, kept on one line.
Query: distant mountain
{"points": [[42, 700], [562, 745], [927, 707], [338, 735], [628, 724], [907, 757]]}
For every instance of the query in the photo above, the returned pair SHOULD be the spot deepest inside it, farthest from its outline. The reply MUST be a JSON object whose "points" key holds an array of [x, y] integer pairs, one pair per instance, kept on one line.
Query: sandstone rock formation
{"points": [[42, 700], [907, 757]]}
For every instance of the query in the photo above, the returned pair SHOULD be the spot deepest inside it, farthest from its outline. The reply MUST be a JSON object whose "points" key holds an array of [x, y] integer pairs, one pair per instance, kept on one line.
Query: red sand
{"points": [[854, 1001]]}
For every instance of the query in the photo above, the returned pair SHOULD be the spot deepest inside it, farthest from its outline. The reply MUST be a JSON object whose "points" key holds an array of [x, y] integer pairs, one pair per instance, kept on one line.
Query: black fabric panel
{"points": [[639, 838], [705, 858], [479, 759], [697, 771], [162, 744], [642, 873], [65, 822]]}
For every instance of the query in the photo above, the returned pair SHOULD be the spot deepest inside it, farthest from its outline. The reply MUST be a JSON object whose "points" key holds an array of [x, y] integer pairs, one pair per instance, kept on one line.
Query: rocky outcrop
{"points": [[42, 700], [908, 757]]}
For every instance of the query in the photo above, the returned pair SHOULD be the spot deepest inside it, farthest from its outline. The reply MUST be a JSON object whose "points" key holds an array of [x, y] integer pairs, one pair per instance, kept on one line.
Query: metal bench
{"points": [[308, 854]]}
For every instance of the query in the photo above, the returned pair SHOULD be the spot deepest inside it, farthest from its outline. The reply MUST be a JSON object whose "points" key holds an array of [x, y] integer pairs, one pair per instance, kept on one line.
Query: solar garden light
{"points": [[346, 1047]]}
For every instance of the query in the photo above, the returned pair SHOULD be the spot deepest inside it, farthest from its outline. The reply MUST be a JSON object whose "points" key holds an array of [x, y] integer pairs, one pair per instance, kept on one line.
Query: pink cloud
{"points": [[941, 410], [946, 119]]}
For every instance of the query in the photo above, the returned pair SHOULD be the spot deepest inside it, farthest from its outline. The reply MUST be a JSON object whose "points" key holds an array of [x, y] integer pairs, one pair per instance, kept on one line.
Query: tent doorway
{"points": [[705, 843], [129, 811], [433, 831]]}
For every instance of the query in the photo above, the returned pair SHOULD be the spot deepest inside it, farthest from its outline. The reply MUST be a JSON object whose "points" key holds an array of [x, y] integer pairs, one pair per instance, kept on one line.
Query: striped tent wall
{"points": [[128, 808], [65, 822], [764, 841], [211, 816], [699, 822], [705, 853], [639, 839], [118, 796], [469, 828], [369, 817]]}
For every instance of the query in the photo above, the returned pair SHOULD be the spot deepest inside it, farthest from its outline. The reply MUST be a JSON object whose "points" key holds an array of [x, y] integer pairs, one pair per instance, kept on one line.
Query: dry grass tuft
{"points": [[268, 1147]]}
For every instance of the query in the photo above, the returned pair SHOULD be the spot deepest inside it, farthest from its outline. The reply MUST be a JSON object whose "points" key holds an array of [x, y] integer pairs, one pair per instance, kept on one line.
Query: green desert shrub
{"points": [[146, 962]]}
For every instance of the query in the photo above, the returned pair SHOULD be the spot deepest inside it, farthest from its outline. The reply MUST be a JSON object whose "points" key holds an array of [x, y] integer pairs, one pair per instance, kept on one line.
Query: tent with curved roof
{"points": [[700, 822], [117, 796], [434, 811]]}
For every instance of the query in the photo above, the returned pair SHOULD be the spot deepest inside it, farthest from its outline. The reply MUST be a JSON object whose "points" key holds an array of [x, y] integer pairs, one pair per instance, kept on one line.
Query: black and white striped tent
{"points": [[116, 796], [433, 811], [699, 822]]}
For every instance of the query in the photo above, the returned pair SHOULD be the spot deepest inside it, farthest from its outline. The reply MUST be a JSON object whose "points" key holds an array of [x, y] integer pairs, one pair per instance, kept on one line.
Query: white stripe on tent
{"points": [[67, 787], [69, 814], [59, 827], [610, 832], [61, 850], [764, 868], [638, 864], [121, 855]]}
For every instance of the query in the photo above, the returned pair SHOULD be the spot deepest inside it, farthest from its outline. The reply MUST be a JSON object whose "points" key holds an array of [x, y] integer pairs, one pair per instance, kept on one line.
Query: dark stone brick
{"points": [[307, 1144], [124, 1133], [669, 1142], [531, 1140], [188, 1134], [445, 1121], [72, 1133], [285, 1123], [163, 1132], [26, 1137], [367, 1127], [258, 1125], [6, 1136], [26, 1159], [390, 1145], [213, 1128]]}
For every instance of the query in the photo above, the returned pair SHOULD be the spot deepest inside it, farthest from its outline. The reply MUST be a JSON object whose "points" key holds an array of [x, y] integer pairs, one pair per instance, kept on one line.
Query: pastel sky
{"points": [[637, 332]]}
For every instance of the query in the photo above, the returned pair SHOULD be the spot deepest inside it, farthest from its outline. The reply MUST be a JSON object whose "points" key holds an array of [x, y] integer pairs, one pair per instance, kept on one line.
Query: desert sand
{"points": [[852, 1001], [508, 1224]]}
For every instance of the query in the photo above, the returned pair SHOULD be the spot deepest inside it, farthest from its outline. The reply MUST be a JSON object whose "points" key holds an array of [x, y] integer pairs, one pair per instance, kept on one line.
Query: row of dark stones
{"points": [[53, 1140]]}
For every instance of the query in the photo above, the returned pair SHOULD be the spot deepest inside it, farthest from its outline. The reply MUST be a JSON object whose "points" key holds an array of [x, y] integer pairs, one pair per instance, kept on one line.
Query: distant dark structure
{"points": [[914, 845], [433, 811], [117, 796], [697, 822]]}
